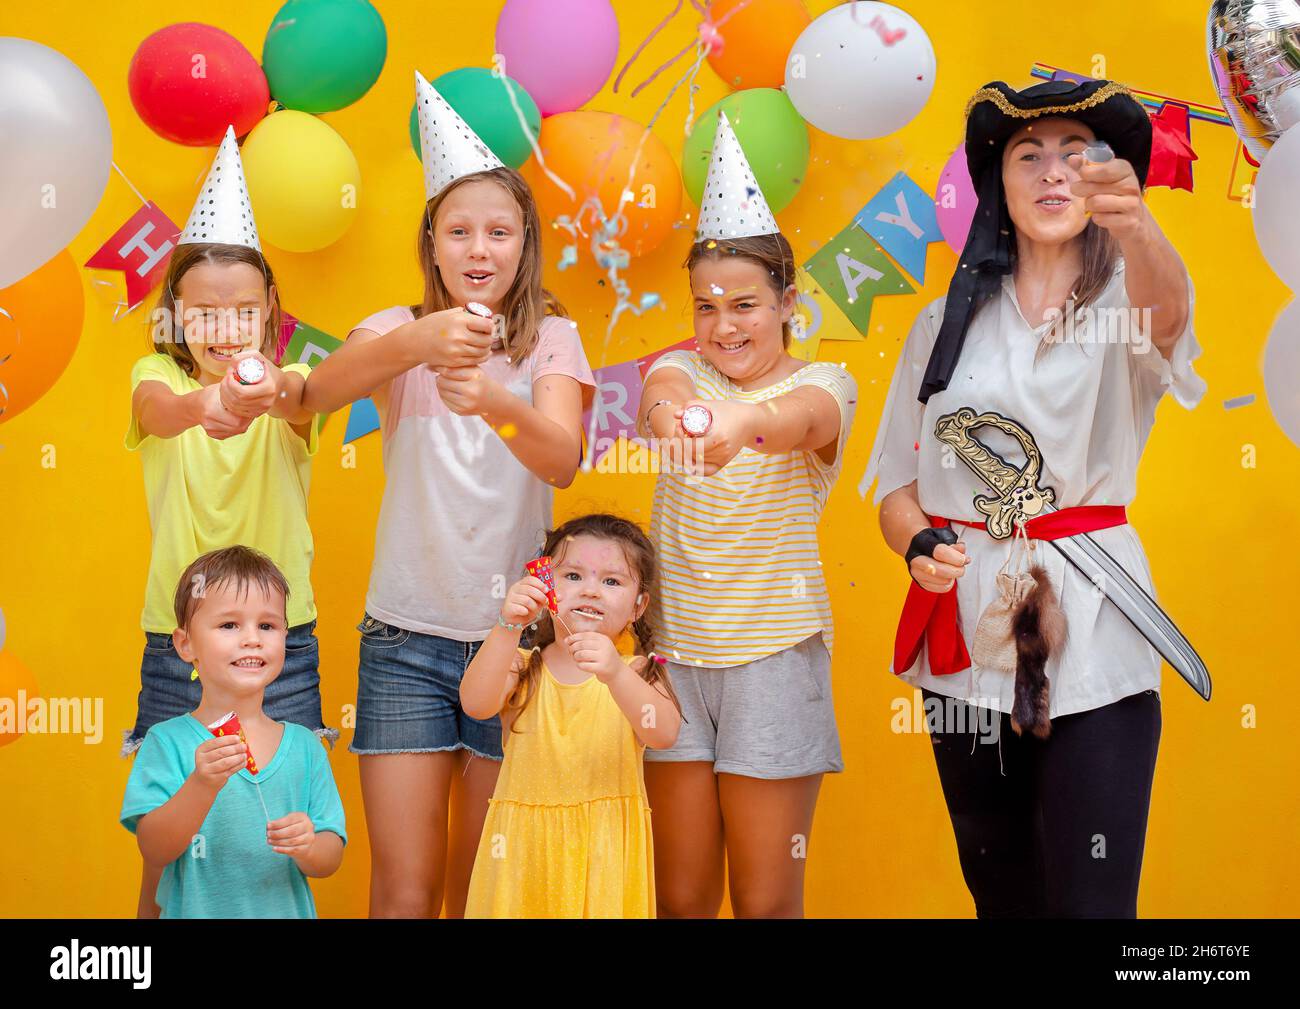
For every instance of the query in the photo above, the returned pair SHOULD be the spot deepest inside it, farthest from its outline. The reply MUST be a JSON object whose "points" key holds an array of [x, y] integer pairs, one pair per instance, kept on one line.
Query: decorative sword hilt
{"points": [[1017, 495]]}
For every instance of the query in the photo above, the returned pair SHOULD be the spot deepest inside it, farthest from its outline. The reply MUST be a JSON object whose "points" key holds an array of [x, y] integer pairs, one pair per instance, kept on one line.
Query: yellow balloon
{"points": [[303, 181]]}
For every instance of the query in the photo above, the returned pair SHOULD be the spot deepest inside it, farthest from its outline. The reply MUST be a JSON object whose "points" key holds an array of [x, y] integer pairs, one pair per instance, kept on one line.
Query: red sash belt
{"points": [[931, 617]]}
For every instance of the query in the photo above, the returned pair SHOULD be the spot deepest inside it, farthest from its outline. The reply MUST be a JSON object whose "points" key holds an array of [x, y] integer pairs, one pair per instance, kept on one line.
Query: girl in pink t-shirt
{"points": [[481, 419]]}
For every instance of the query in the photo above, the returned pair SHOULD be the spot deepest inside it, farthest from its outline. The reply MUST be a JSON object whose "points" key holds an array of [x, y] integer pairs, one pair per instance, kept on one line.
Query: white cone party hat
{"points": [[449, 147], [733, 206], [222, 212]]}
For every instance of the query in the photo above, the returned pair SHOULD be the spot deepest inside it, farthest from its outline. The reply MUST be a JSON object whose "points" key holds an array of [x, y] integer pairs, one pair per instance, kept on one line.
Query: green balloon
{"points": [[482, 101], [772, 133], [321, 55]]}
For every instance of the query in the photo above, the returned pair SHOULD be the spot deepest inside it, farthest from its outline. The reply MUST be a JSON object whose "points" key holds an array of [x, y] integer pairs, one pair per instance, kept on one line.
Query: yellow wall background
{"points": [[74, 539]]}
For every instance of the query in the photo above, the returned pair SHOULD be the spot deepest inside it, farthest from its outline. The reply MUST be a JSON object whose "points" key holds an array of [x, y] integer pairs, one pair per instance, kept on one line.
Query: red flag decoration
{"points": [[1171, 148], [140, 248]]}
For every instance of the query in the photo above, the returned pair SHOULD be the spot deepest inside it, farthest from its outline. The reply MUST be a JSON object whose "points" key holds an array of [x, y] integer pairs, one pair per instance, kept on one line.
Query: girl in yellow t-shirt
{"points": [[567, 833], [225, 448]]}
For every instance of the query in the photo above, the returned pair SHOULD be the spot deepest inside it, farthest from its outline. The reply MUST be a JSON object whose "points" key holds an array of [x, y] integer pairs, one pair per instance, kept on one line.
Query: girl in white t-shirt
{"points": [[481, 420]]}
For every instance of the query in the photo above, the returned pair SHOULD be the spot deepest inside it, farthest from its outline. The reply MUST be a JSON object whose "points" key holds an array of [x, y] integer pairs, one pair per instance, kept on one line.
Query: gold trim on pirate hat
{"points": [[1108, 108]]}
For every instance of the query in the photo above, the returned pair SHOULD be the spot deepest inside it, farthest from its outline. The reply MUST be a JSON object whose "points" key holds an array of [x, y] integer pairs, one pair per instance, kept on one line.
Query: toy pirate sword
{"points": [[1017, 498]]}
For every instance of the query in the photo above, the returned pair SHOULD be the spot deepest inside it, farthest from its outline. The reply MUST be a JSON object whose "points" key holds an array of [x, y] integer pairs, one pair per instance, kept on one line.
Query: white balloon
{"points": [[58, 149], [861, 70], [1277, 207], [1282, 368]]}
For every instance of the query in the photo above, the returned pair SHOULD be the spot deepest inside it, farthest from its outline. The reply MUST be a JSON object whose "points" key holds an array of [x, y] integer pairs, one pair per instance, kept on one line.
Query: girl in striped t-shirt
{"points": [[746, 622]]}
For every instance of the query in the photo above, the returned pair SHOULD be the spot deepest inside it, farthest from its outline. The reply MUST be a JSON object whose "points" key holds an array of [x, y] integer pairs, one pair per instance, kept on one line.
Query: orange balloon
{"points": [[45, 311], [756, 40], [14, 676], [592, 152]]}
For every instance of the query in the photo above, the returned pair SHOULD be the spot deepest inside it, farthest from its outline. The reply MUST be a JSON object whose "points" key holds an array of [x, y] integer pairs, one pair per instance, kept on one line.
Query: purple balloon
{"points": [[561, 51], [955, 206]]}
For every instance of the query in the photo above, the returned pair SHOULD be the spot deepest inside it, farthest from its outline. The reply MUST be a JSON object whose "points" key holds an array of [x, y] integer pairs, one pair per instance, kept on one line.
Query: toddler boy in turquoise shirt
{"points": [[191, 799]]}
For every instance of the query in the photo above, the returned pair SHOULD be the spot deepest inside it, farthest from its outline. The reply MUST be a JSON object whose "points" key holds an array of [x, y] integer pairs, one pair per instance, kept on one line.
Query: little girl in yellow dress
{"points": [[567, 833]]}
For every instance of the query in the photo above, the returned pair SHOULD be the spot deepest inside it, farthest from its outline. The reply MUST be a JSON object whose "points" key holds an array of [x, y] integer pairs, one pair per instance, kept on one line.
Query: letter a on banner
{"points": [[853, 271]]}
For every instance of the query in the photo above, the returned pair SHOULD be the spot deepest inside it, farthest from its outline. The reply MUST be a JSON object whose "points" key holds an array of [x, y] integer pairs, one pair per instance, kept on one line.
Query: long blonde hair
{"points": [[527, 303], [185, 258], [640, 554]]}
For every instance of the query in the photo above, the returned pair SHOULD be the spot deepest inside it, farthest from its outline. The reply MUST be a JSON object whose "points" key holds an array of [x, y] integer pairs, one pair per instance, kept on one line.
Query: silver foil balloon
{"points": [[1254, 53]]}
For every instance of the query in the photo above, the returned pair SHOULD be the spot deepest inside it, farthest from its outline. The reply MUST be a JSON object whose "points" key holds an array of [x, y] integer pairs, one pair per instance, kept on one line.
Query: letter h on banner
{"points": [[140, 248]]}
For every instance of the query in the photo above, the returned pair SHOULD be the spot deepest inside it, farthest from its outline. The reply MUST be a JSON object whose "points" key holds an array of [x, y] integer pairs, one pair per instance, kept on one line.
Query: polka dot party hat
{"points": [[449, 147], [733, 206], [222, 212]]}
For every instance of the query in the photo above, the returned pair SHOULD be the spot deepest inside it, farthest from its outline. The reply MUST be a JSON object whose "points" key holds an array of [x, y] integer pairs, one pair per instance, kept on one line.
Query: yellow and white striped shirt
{"points": [[739, 572]]}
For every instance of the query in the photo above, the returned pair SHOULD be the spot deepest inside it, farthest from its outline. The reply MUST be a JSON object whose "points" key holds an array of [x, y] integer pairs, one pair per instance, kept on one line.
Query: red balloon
{"points": [[190, 81]]}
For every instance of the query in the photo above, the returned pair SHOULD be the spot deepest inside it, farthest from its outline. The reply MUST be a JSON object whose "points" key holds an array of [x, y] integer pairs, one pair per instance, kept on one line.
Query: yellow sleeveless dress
{"points": [[567, 833]]}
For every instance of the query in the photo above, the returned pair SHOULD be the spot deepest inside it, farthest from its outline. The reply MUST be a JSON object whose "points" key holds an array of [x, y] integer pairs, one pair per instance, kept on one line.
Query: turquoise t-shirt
{"points": [[229, 871]]}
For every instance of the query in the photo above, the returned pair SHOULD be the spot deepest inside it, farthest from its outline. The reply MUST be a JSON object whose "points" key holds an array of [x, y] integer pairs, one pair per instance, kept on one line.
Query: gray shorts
{"points": [[770, 718]]}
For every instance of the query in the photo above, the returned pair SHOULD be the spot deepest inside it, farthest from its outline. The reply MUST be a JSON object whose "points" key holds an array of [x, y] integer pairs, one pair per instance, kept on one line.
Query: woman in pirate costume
{"points": [[1014, 423]]}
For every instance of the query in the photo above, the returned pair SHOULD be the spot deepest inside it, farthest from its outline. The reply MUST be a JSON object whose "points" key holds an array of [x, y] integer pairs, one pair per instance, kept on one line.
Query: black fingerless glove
{"points": [[923, 544]]}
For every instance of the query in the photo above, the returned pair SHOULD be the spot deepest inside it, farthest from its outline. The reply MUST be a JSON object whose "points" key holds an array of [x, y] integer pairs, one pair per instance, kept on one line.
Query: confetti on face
{"points": [[716, 290]]}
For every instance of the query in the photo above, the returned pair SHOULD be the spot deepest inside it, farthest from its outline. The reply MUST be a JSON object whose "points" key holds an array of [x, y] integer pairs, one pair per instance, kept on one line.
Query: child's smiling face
{"points": [[738, 316], [224, 308], [478, 239], [595, 587], [236, 638]]}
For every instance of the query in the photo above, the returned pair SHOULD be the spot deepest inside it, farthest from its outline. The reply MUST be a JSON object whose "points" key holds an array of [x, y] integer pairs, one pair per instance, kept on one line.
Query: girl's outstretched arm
{"points": [[491, 675], [366, 361], [668, 383], [494, 672], [165, 414], [545, 435], [805, 419]]}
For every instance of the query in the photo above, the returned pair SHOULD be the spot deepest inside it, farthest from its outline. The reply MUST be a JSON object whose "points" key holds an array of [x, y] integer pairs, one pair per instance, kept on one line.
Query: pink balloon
{"points": [[561, 51], [954, 201]]}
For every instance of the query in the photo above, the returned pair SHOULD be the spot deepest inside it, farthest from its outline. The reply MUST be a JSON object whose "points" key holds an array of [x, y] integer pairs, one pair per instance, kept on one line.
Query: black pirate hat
{"points": [[993, 114]]}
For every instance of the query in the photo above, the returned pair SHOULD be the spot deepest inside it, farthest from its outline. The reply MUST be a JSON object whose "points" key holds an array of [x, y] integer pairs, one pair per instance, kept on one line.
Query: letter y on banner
{"points": [[901, 217]]}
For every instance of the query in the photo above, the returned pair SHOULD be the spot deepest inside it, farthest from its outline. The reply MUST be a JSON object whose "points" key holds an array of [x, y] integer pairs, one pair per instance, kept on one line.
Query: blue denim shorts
{"points": [[167, 690], [408, 695]]}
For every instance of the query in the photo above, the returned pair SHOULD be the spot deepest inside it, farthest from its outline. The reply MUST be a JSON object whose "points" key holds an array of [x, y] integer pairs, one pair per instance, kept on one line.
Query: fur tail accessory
{"points": [[1039, 627]]}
